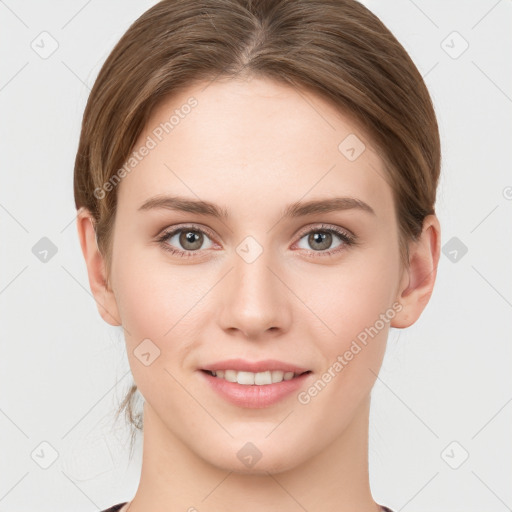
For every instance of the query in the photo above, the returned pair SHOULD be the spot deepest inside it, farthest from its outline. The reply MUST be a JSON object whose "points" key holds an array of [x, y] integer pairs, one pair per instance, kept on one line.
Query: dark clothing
{"points": [[115, 508]]}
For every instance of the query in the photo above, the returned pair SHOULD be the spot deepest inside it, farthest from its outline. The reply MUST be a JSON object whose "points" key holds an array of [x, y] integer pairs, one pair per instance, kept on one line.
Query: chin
{"points": [[255, 458]]}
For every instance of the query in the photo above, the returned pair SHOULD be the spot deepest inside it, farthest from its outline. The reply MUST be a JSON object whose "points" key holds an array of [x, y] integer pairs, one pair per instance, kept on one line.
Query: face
{"points": [[312, 288]]}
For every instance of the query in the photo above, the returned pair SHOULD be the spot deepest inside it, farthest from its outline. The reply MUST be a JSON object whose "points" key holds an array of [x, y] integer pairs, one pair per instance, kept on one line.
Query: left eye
{"points": [[322, 239], [318, 240]]}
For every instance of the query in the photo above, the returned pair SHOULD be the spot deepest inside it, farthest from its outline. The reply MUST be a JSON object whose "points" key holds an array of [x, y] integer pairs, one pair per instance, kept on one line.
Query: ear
{"points": [[417, 282], [103, 295]]}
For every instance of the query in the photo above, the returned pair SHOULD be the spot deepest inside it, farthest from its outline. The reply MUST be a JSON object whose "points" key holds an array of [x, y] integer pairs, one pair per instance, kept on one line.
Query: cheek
{"points": [[154, 313], [350, 297], [152, 298], [163, 303], [354, 303], [352, 306]]}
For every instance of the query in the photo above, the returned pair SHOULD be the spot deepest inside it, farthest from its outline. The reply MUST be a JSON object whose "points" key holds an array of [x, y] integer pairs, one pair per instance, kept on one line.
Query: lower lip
{"points": [[255, 396]]}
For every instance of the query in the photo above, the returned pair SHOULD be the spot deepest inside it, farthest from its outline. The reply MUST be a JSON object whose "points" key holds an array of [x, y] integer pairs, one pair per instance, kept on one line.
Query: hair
{"points": [[336, 49]]}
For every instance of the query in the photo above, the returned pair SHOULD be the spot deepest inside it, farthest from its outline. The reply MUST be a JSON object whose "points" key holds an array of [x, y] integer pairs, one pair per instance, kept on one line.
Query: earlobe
{"points": [[103, 295], [417, 282]]}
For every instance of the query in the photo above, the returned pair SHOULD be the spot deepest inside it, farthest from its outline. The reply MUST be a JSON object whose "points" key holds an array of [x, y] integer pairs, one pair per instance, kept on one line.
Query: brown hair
{"points": [[337, 49]]}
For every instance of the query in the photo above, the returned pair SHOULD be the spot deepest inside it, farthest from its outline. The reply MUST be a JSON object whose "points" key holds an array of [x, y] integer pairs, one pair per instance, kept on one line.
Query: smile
{"points": [[254, 379]]}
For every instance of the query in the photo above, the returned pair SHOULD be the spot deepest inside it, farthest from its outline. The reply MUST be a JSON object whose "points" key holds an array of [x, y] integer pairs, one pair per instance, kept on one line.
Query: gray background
{"points": [[444, 392]]}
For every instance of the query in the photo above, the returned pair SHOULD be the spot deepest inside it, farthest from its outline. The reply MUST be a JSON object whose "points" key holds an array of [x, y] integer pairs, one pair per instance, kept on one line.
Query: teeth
{"points": [[261, 378], [258, 379]]}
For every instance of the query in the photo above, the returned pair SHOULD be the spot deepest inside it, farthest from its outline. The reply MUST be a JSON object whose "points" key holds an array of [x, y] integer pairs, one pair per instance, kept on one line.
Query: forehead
{"points": [[232, 142]]}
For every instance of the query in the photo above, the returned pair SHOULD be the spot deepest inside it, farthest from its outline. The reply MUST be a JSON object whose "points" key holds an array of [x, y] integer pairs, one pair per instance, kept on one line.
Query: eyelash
{"points": [[348, 240]]}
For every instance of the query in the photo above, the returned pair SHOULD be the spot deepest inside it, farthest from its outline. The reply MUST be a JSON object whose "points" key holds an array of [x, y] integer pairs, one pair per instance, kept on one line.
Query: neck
{"points": [[174, 478]]}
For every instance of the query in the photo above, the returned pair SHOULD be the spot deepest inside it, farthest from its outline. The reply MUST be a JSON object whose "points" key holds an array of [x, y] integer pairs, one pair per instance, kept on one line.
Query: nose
{"points": [[254, 300]]}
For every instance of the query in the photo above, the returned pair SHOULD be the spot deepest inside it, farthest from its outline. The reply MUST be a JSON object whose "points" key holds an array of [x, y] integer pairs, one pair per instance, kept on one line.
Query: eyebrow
{"points": [[297, 209]]}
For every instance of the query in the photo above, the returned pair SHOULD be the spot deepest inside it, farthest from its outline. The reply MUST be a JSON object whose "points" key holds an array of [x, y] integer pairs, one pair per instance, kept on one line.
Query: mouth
{"points": [[263, 378], [256, 389]]}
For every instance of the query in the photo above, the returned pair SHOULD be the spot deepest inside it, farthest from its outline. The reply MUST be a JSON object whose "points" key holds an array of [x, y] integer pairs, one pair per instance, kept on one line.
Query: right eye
{"points": [[189, 240]]}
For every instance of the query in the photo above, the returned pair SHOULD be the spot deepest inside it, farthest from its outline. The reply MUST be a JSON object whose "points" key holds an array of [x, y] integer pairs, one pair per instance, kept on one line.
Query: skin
{"points": [[253, 147]]}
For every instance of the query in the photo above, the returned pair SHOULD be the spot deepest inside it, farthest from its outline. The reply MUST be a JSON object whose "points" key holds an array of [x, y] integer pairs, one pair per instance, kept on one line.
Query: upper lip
{"points": [[254, 366]]}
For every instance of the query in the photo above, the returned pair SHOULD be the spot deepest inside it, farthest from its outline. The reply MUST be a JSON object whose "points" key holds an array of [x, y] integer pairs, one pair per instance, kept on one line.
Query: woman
{"points": [[255, 185]]}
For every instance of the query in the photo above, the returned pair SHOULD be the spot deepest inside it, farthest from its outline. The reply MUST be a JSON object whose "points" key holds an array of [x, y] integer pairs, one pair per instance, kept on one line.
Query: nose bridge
{"points": [[255, 299], [255, 285]]}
